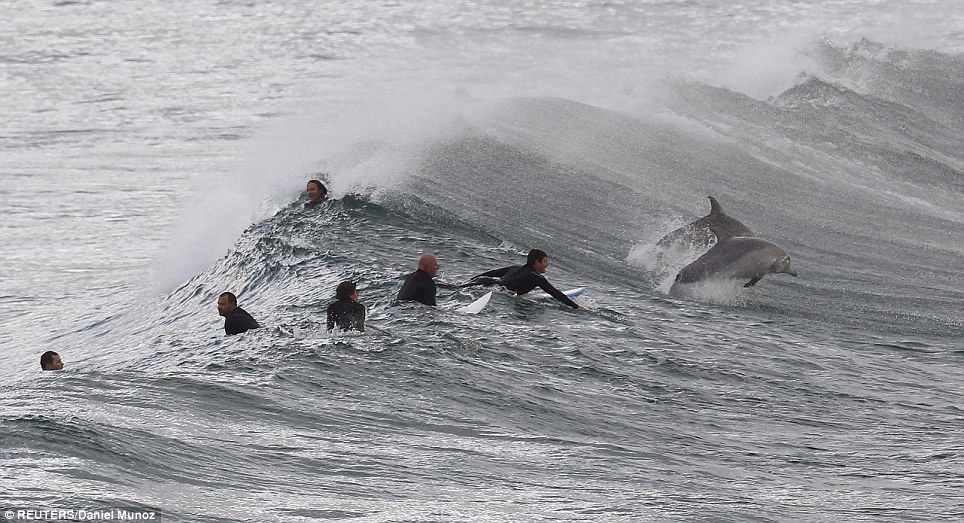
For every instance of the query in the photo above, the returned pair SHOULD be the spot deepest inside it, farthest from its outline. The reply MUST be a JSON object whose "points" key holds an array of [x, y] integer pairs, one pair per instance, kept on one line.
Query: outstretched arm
{"points": [[556, 293], [360, 318], [493, 277], [494, 273]]}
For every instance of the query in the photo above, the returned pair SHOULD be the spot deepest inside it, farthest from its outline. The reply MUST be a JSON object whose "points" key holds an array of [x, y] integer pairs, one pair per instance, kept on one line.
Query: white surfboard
{"points": [[476, 306], [542, 296]]}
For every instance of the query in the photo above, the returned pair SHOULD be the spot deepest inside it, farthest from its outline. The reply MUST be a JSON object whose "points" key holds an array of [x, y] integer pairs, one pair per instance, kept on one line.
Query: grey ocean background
{"points": [[153, 155]]}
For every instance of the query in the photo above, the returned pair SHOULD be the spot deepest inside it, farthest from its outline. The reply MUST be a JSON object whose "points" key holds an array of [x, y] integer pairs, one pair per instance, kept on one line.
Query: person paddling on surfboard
{"points": [[523, 278]]}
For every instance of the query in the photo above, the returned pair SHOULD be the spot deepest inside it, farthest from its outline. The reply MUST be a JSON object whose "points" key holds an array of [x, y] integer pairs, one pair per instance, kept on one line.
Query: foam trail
{"points": [[362, 146]]}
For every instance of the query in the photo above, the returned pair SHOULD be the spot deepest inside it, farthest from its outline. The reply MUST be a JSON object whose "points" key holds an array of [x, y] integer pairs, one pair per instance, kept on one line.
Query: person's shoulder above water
{"points": [[419, 286], [317, 193], [240, 321], [345, 311], [236, 319]]}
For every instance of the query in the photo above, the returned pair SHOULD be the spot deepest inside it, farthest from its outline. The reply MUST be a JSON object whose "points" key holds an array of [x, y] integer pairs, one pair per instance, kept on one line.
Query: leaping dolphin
{"points": [[701, 232], [736, 258]]}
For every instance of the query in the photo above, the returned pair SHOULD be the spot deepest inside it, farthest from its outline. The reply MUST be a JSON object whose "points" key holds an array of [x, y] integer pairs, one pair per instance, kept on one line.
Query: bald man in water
{"points": [[420, 286]]}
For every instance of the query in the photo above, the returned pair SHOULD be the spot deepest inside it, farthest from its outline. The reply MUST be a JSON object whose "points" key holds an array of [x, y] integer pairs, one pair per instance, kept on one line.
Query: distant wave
{"points": [[810, 169]]}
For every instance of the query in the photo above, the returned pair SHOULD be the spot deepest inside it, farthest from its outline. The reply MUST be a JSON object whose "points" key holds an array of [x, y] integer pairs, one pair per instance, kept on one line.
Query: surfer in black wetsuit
{"points": [[523, 278], [346, 312], [317, 192], [236, 319], [419, 286]]}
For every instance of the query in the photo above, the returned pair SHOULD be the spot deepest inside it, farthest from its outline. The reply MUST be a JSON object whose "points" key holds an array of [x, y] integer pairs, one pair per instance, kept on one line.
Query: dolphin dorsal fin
{"points": [[715, 206]]}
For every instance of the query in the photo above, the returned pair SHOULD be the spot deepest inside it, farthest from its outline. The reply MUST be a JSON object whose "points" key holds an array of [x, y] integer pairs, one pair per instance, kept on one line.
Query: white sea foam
{"points": [[120, 115]]}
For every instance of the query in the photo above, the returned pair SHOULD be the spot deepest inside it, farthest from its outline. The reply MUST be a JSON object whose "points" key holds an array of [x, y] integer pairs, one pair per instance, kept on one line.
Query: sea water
{"points": [[154, 156]]}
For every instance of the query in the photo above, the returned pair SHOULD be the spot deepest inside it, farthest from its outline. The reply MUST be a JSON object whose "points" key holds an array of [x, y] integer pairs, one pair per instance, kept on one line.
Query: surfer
{"points": [[420, 286], [50, 360], [317, 192], [346, 312], [523, 278], [236, 319]]}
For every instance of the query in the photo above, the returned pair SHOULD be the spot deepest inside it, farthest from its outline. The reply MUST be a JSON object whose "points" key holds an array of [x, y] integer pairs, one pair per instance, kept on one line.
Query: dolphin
{"points": [[701, 232], [737, 258]]}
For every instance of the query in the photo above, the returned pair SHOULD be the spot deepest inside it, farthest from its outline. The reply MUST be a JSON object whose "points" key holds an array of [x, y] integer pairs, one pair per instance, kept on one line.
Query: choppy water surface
{"points": [[153, 157]]}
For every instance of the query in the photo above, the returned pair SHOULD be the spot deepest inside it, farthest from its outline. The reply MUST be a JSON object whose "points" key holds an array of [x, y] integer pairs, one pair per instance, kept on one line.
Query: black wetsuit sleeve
{"points": [[493, 277], [360, 318], [556, 293], [494, 273]]}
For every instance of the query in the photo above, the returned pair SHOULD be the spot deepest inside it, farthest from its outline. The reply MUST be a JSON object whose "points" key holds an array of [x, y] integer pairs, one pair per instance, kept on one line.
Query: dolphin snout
{"points": [[788, 267]]}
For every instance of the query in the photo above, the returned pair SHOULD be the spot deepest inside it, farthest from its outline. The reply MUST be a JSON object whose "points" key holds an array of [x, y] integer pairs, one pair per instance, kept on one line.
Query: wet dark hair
{"points": [[232, 299], [47, 359], [345, 290], [536, 255], [324, 190]]}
